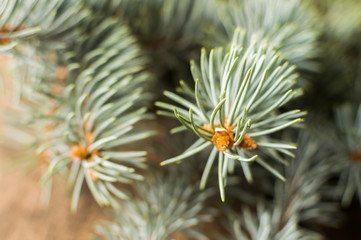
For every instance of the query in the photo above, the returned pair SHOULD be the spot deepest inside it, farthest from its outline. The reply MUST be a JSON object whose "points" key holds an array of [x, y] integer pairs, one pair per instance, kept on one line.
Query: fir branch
{"points": [[289, 26], [300, 199], [33, 32], [48, 21], [260, 226], [304, 194], [178, 23], [237, 97], [170, 32], [345, 144], [97, 112], [164, 207]]}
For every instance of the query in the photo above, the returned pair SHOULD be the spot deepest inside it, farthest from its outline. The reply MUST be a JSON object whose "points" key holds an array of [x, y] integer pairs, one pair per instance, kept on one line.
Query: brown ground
{"points": [[22, 217]]}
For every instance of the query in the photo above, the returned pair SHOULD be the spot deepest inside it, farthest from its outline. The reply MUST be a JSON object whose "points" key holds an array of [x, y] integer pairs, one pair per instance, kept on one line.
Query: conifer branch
{"points": [[300, 199], [97, 112], [49, 21], [289, 26], [260, 226], [163, 208], [233, 89], [345, 144]]}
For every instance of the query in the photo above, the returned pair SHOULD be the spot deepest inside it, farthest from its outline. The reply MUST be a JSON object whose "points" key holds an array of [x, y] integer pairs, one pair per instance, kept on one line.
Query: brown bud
{"points": [[223, 140], [247, 143], [60, 73], [356, 156], [79, 152], [207, 127], [56, 88]]}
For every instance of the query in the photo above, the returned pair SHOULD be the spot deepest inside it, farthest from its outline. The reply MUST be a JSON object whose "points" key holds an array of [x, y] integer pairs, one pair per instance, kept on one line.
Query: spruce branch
{"points": [[47, 21], [235, 107], [304, 194], [259, 226], [170, 32], [98, 107], [181, 23], [33, 32], [163, 208], [300, 199], [288, 25], [345, 144]]}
